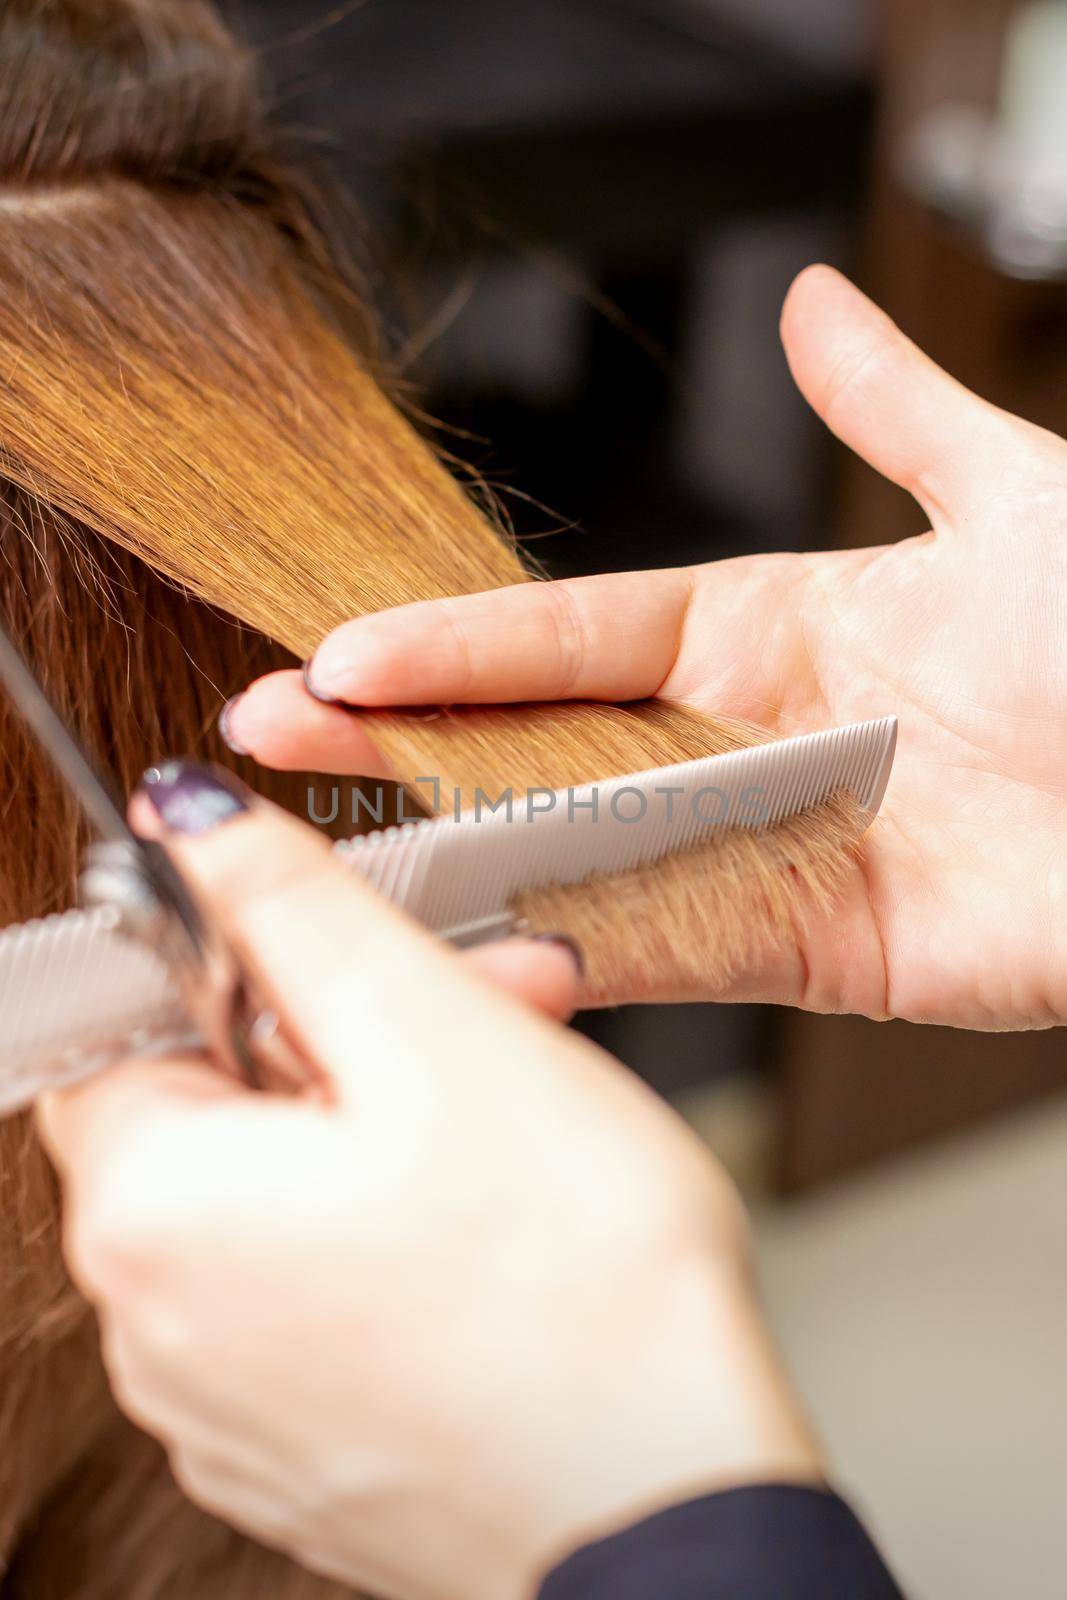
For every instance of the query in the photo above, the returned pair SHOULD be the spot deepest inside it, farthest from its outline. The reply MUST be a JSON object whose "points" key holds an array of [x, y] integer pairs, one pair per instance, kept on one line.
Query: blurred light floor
{"points": [[923, 1311]]}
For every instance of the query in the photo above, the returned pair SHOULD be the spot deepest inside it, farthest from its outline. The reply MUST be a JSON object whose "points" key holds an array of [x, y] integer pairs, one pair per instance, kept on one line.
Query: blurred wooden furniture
{"points": [[1005, 338], [853, 1090]]}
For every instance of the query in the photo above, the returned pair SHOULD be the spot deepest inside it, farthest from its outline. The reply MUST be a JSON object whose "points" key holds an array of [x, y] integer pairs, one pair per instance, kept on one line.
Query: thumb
{"points": [[890, 403], [362, 988], [368, 994]]}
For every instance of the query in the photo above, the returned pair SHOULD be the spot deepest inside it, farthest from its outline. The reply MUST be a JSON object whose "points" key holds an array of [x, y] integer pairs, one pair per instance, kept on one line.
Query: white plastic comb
{"points": [[75, 993]]}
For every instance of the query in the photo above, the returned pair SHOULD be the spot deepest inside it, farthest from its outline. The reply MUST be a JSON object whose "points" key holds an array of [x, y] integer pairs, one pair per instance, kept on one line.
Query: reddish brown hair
{"points": [[200, 471]]}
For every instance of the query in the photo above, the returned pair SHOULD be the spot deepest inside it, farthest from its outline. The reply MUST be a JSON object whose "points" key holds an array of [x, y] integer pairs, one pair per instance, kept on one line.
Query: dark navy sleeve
{"points": [[766, 1542]]}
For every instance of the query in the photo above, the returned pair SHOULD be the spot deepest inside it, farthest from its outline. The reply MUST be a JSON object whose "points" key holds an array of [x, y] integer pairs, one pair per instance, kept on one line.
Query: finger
{"points": [[889, 402], [545, 972], [229, 1489], [138, 1149], [604, 638], [282, 726], [71, 1121], [155, 1154]]}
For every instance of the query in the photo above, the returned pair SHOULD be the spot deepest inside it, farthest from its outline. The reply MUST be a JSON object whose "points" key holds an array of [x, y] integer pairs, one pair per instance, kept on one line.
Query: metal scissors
{"points": [[462, 877], [152, 900]]}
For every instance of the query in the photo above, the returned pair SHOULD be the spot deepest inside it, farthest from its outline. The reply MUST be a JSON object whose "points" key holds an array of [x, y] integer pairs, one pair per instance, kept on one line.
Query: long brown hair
{"points": [[200, 471]]}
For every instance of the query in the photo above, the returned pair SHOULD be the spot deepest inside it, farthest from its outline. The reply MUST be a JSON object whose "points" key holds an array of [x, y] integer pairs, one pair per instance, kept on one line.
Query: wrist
{"points": [[707, 1408]]}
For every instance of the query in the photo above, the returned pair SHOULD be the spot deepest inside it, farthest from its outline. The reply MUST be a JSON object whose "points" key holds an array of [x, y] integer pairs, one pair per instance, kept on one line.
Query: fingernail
{"points": [[318, 694], [190, 798], [230, 739], [567, 943]]}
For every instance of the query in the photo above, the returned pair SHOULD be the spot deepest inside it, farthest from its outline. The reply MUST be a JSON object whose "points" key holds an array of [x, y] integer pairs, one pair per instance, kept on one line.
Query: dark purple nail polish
{"points": [[229, 739], [317, 694], [567, 943], [191, 798]]}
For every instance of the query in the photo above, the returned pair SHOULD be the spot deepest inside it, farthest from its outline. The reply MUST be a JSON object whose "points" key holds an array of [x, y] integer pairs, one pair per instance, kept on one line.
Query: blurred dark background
{"points": [[590, 211], [583, 217]]}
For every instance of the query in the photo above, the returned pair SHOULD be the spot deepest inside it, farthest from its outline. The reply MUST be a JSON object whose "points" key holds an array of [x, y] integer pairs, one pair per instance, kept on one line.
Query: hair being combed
{"points": [[201, 410], [200, 472]]}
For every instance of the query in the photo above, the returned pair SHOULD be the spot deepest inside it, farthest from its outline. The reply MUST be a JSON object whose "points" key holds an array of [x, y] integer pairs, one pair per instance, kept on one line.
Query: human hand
{"points": [[486, 1300], [958, 911]]}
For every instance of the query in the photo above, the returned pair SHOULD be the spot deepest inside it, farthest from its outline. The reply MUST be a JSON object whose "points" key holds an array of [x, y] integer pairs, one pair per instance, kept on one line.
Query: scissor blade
{"points": [[56, 739]]}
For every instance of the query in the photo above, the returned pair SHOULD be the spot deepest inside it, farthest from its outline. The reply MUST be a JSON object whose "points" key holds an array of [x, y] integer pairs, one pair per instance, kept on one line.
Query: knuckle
{"points": [[194, 1475], [462, 670], [259, 860], [263, 852], [116, 1237], [853, 370], [108, 1252], [269, 893], [570, 640], [273, 742], [100, 1252], [131, 1394]]}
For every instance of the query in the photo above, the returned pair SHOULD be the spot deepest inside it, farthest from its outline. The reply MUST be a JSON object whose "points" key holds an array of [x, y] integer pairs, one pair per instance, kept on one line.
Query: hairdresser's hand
{"points": [[959, 914], [429, 1333]]}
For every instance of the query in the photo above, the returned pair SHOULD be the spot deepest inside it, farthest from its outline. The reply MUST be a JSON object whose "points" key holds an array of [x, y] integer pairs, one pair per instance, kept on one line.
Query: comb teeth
{"points": [[75, 993], [451, 873]]}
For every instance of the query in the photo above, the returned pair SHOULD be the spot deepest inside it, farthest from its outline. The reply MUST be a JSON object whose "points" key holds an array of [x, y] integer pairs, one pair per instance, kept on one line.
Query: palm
{"points": [[957, 912], [964, 884]]}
